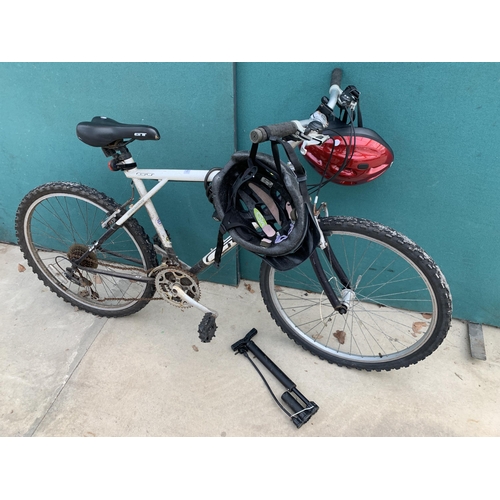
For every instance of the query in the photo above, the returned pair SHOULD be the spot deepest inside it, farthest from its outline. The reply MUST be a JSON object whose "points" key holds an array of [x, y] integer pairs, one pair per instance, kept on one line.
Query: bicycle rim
{"points": [[59, 227], [395, 311]]}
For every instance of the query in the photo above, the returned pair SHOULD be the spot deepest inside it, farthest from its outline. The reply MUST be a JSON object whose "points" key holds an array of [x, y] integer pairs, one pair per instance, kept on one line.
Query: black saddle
{"points": [[102, 131]]}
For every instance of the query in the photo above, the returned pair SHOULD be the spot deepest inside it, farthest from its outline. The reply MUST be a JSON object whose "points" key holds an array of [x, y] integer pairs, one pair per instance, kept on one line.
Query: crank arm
{"points": [[181, 293]]}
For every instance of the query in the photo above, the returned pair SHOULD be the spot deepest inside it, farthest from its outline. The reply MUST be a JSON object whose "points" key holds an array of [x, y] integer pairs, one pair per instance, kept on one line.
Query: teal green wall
{"points": [[191, 104], [441, 119]]}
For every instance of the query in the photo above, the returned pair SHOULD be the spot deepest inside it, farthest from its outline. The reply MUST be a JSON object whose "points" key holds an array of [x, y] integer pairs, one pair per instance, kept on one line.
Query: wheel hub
{"points": [[348, 296]]}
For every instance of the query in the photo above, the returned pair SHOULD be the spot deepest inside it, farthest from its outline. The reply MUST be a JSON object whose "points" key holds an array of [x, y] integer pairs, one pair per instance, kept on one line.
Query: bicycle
{"points": [[367, 298]]}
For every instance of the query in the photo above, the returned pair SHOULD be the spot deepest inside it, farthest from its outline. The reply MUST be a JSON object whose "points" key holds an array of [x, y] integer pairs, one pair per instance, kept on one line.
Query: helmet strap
{"points": [[229, 222]]}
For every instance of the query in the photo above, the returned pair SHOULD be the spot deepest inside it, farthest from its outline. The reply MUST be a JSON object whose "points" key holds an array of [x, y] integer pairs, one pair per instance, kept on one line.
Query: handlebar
{"points": [[263, 133], [336, 78]]}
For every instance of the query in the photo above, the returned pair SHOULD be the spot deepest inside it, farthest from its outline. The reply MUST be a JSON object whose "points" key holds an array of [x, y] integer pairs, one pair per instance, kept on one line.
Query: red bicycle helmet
{"points": [[363, 155]]}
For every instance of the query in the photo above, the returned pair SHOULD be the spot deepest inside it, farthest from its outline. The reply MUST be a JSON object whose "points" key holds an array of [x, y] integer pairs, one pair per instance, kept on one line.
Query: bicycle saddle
{"points": [[102, 131]]}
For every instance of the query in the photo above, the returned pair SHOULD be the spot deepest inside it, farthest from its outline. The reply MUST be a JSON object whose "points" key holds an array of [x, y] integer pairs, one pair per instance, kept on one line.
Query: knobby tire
{"points": [[58, 221], [400, 310]]}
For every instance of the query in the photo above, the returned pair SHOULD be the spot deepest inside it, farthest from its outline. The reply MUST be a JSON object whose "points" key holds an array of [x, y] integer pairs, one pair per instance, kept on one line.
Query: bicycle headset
{"points": [[260, 202]]}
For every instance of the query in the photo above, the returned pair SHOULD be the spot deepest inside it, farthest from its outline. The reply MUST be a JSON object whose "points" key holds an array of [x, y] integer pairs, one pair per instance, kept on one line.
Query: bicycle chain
{"points": [[135, 270], [125, 268]]}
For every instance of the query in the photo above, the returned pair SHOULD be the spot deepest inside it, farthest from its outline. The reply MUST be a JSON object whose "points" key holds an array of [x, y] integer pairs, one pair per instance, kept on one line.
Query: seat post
{"points": [[122, 158]]}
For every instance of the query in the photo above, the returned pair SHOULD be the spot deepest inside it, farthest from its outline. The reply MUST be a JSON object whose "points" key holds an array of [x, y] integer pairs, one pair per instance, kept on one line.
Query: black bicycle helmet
{"points": [[263, 209]]}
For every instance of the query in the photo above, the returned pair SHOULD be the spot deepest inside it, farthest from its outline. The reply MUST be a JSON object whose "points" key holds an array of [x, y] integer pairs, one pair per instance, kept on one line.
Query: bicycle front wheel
{"points": [[398, 301], [57, 223]]}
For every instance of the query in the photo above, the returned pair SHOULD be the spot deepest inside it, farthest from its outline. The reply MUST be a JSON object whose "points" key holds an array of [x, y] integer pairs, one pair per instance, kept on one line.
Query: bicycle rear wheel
{"points": [[57, 222], [399, 304]]}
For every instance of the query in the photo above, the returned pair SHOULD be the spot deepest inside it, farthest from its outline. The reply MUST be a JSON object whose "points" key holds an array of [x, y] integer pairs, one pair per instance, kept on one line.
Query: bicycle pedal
{"points": [[207, 328]]}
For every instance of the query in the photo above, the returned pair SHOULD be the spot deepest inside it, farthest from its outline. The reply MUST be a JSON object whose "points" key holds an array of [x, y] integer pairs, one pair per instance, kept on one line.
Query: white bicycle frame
{"points": [[163, 176]]}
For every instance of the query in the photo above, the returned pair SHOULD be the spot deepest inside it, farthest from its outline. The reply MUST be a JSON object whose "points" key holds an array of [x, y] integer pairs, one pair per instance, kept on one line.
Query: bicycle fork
{"points": [[340, 305]]}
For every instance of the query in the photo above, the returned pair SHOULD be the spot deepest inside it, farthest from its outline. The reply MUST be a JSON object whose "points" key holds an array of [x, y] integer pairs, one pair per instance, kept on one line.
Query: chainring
{"points": [[167, 278]]}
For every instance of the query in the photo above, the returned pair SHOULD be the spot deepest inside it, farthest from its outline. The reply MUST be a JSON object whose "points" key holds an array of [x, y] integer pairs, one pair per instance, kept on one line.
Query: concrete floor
{"points": [[64, 372]]}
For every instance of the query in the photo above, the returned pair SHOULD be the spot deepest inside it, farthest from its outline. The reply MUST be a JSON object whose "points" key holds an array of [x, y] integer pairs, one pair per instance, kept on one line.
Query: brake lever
{"points": [[309, 132], [314, 126], [312, 140]]}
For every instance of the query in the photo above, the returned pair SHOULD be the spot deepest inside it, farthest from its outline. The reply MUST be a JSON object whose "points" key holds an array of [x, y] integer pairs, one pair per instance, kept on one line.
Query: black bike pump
{"points": [[302, 408]]}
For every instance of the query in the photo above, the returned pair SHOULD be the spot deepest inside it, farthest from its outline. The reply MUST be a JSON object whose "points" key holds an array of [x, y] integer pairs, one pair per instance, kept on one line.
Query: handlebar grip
{"points": [[336, 78], [258, 135]]}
